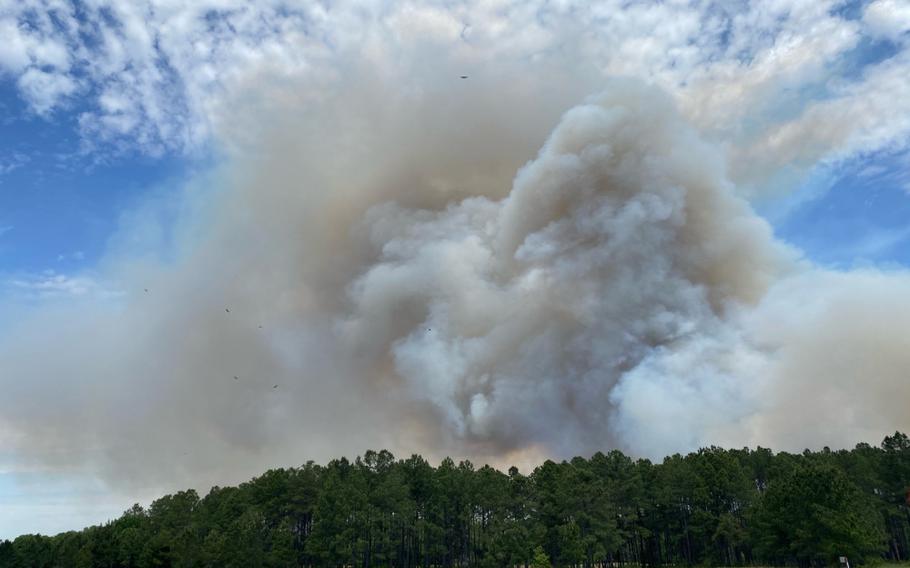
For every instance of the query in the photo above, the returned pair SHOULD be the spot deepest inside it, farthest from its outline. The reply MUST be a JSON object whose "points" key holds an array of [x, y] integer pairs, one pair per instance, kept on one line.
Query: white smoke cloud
{"points": [[436, 295], [516, 318]]}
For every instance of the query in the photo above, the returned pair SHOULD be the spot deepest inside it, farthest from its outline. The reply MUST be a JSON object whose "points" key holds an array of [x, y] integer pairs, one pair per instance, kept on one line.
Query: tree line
{"points": [[712, 507]]}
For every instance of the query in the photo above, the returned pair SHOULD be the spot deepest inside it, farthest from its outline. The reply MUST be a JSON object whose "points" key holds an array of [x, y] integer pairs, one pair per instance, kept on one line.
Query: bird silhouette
{"points": [[464, 76], [236, 378], [227, 310], [275, 387]]}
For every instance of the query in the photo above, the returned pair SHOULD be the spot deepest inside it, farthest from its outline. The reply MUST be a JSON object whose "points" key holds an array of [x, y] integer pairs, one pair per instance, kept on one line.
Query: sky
{"points": [[211, 153]]}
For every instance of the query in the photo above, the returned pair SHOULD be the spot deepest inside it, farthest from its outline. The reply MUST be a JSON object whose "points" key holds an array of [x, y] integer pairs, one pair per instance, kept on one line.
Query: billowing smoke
{"points": [[463, 268], [516, 318]]}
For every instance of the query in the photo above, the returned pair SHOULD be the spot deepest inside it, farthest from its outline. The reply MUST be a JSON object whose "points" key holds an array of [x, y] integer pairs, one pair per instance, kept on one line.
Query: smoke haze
{"points": [[505, 268]]}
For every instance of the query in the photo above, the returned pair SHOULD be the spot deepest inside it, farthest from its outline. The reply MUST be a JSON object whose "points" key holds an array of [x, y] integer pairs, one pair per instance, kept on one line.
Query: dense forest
{"points": [[713, 507]]}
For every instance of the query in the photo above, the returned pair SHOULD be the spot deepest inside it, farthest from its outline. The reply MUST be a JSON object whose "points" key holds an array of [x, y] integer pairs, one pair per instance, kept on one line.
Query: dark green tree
{"points": [[816, 514]]}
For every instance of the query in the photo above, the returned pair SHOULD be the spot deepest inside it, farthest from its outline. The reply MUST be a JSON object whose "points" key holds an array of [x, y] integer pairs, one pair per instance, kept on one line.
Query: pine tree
{"points": [[541, 560]]}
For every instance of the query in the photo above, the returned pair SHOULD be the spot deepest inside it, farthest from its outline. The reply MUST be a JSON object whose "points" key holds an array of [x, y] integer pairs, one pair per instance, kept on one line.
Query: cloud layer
{"points": [[152, 76]]}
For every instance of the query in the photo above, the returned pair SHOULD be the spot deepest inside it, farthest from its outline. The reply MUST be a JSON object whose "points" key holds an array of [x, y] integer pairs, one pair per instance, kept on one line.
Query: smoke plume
{"points": [[500, 268]]}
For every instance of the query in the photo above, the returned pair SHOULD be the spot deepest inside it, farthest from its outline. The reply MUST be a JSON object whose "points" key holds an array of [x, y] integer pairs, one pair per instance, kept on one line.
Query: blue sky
{"points": [[861, 218], [107, 107], [59, 203]]}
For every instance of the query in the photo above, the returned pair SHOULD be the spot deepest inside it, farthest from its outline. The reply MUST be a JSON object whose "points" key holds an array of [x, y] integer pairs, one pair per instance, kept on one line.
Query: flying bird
{"points": [[227, 310], [464, 76], [236, 378], [275, 387]]}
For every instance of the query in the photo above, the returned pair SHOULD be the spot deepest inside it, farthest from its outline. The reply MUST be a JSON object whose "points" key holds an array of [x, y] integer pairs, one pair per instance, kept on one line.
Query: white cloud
{"points": [[45, 90], [52, 285], [13, 51], [161, 73], [872, 113], [887, 18]]}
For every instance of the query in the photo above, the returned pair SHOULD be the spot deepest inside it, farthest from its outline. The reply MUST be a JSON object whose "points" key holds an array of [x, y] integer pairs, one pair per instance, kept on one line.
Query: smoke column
{"points": [[503, 271]]}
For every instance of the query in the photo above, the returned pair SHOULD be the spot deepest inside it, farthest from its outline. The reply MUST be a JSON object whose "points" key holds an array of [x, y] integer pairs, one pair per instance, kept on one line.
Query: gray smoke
{"points": [[452, 269], [516, 318]]}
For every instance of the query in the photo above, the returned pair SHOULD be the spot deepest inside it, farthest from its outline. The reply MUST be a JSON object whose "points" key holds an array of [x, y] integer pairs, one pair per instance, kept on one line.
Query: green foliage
{"points": [[815, 514], [541, 560], [712, 507]]}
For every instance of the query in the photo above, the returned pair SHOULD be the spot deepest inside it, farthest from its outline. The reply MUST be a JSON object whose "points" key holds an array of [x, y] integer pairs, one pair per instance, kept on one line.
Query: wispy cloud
{"points": [[72, 256], [13, 162], [874, 243], [50, 284], [892, 171], [160, 76]]}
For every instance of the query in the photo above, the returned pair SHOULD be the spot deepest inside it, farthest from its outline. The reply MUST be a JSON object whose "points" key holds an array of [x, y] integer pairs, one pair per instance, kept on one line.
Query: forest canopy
{"points": [[711, 507]]}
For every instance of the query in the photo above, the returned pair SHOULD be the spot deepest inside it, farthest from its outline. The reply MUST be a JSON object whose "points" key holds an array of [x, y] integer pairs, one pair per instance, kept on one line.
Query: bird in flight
{"points": [[227, 310], [236, 378], [275, 387], [464, 76]]}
